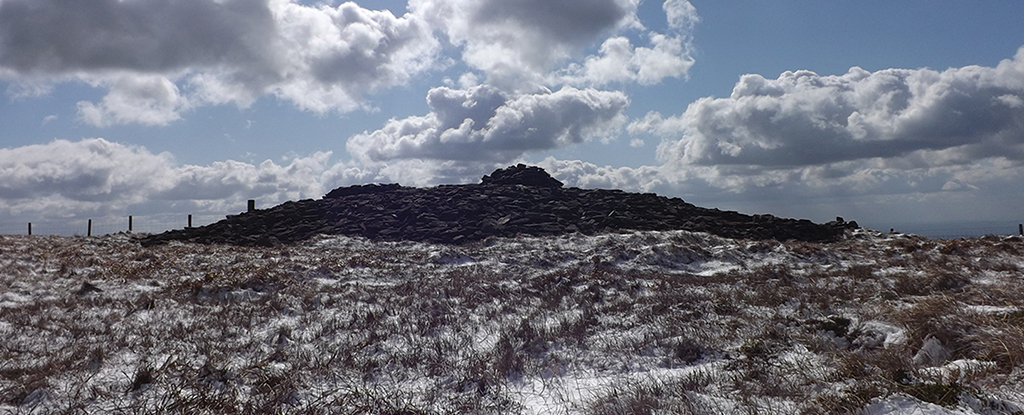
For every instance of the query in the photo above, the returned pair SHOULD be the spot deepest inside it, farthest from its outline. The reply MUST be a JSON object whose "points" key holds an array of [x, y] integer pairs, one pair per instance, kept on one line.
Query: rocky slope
{"points": [[513, 201]]}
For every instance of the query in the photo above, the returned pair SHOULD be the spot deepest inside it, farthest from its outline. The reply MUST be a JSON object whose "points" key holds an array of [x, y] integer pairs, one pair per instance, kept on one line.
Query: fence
{"points": [[164, 222], [952, 230], [108, 225]]}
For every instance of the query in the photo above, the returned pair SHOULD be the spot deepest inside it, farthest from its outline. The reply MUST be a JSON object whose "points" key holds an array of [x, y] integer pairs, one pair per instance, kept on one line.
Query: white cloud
{"points": [[682, 16], [894, 130], [578, 173], [211, 51], [516, 42], [147, 100], [65, 178], [619, 61], [484, 124], [87, 171], [160, 58], [329, 57]]}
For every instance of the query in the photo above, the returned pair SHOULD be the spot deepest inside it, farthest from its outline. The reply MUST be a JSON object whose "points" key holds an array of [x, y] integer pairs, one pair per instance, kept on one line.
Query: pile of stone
{"points": [[519, 200]]}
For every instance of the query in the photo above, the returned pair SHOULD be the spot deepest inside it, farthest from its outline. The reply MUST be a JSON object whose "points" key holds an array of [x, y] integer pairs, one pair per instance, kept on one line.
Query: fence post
{"points": [[30, 229], [89, 231], [1020, 228], [190, 220], [252, 205], [129, 223]]}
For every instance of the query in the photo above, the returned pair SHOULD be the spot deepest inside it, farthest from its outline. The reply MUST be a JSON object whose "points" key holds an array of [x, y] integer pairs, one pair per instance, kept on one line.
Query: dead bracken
{"points": [[631, 322]]}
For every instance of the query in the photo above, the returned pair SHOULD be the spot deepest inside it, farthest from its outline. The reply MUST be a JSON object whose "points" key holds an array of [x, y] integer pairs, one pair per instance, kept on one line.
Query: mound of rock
{"points": [[519, 200], [523, 175]]}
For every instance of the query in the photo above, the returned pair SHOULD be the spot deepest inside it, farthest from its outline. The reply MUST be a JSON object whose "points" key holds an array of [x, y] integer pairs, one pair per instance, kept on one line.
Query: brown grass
{"points": [[389, 329]]}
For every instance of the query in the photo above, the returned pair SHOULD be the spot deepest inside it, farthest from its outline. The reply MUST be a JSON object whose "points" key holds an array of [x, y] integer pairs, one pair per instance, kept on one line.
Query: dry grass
{"points": [[620, 325]]}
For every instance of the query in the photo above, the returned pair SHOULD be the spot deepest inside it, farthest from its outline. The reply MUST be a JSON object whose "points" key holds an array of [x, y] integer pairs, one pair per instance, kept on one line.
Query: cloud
{"points": [[157, 59], [88, 172], [67, 178], [578, 173], [682, 16], [485, 124], [619, 61], [54, 37], [857, 131], [212, 51], [329, 57], [518, 41], [147, 100], [802, 118]]}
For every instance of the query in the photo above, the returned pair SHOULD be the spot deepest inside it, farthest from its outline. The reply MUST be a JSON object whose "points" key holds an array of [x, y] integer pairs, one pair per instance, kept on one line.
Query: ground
{"points": [[623, 323]]}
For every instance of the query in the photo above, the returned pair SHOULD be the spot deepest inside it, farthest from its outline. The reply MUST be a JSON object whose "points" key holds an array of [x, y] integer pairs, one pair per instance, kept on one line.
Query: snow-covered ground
{"points": [[642, 322]]}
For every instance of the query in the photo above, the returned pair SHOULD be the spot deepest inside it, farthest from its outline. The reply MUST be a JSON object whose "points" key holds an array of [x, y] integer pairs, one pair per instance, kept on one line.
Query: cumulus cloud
{"points": [[857, 131], [328, 57], [147, 100], [52, 37], [619, 61], [216, 51], [160, 58], [517, 41], [483, 123], [84, 171], [64, 178], [578, 173]]}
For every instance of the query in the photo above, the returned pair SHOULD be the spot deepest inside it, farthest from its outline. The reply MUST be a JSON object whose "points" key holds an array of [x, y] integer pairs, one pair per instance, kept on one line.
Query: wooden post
{"points": [[30, 229], [252, 205], [1020, 228], [129, 223], [190, 220], [89, 231]]}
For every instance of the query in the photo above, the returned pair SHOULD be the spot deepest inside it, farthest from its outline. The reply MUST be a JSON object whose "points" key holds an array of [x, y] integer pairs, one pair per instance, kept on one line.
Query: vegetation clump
{"points": [[634, 322]]}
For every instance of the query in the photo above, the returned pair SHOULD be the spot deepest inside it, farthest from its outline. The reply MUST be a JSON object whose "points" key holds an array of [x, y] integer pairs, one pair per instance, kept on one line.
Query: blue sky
{"points": [[145, 107]]}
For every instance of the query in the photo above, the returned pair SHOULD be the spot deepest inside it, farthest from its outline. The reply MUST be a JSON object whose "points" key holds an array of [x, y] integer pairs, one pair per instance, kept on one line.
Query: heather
{"points": [[614, 323]]}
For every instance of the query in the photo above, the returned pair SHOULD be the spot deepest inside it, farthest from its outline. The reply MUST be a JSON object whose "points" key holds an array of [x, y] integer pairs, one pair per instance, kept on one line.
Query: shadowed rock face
{"points": [[513, 201], [521, 174]]}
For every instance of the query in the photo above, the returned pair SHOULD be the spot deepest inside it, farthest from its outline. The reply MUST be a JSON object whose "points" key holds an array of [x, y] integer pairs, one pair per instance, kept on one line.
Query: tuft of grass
{"points": [[344, 325], [937, 393]]}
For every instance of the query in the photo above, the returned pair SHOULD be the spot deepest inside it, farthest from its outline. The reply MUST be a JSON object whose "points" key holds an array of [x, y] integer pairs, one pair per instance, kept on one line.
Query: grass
{"points": [[633, 323]]}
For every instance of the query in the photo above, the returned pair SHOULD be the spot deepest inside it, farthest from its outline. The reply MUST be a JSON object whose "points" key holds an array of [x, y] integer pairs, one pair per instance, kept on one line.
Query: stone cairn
{"points": [[518, 200]]}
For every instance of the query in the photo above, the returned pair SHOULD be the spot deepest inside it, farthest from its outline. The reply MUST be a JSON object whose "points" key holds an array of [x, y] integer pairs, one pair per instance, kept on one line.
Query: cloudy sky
{"points": [[884, 112]]}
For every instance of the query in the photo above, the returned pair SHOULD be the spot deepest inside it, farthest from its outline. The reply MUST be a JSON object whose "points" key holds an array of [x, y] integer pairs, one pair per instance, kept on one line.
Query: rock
{"points": [[932, 353], [522, 174], [87, 289], [361, 189], [518, 200]]}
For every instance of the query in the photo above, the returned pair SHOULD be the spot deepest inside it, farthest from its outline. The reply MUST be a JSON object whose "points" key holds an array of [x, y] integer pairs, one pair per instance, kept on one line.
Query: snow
{"points": [[572, 324], [991, 309], [958, 371], [904, 405]]}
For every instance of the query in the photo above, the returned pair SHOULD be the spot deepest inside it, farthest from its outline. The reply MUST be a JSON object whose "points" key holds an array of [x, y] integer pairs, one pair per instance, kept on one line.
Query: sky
{"points": [[877, 111]]}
